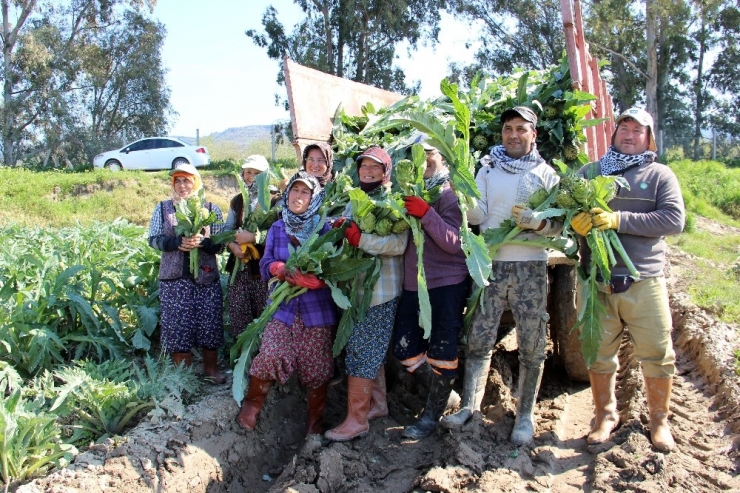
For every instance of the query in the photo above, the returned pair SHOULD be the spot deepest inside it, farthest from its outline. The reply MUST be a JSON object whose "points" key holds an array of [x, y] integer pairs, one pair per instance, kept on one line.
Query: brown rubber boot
{"points": [[379, 403], [359, 394], [252, 403], [658, 399], [605, 404], [315, 416], [182, 358], [210, 367]]}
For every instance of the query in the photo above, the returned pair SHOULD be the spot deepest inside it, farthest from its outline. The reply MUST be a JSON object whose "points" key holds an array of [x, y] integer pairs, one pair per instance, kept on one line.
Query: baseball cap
{"points": [[421, 138], [302, 176], [377, 154], [643, 118], [188, 170], [521, 111], [256, 161]]}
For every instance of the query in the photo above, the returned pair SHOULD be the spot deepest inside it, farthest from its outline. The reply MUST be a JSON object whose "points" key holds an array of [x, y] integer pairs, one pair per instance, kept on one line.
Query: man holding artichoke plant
{"points": [[642, 215], [519, 273]]}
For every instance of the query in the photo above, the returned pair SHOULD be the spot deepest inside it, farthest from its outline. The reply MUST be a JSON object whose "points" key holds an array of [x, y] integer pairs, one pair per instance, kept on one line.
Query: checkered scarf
{"points": [[613, 161], [529, 182]]}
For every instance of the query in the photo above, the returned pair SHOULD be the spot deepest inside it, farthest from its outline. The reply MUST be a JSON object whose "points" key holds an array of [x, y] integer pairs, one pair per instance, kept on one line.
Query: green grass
{"points": [[711, 190], [64, 198]]}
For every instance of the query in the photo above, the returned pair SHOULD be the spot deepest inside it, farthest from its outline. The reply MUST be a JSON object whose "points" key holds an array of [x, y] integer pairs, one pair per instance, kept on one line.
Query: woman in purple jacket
{"points": [[299, 336], [448, 283]]}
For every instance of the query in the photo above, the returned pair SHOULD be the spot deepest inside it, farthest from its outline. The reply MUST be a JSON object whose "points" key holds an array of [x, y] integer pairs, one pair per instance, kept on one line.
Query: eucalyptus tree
{"points": [[515, 33], [43, 42], [724, 76], [354, 39]]}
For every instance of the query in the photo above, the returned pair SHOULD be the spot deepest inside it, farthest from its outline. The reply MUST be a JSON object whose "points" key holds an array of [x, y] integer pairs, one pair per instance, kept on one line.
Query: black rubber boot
{"points": [[439, 391]]}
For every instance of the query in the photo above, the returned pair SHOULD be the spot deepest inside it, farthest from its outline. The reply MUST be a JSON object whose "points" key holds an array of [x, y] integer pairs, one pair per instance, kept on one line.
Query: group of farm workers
{"points": [[300, 335]]}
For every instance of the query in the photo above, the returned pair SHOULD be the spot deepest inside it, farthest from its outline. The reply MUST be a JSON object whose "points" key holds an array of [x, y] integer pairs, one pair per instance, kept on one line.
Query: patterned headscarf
{"points": [[614, 161], [193, 178], [440, 177], [378, 155], [328, 153], [301, 226]]}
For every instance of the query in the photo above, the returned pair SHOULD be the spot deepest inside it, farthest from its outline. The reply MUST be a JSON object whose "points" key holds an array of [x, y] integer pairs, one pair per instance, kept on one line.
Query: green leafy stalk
{"points": [[248, 342], [192, 217], [589, 319]]}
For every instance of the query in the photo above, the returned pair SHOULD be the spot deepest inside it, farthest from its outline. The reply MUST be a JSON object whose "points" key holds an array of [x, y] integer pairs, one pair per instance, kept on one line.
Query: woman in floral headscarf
{"points": [[318, 161], [191, 310], [299, 336]]}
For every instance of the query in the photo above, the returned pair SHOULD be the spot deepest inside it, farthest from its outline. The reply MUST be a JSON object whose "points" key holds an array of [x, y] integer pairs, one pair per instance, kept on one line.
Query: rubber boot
{"points": [[424, 375], [658, 398], [252, 403], [605, 403], [210, 367], [439, 393], [529, 385], [474, 387], [379, 402], [315, 416], [359, 394], [186, 359]]}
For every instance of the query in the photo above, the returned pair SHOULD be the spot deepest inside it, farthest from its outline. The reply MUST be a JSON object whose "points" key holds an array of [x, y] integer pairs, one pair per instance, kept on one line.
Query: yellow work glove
{"points": [[605, 220], [250, 252], [581, 223]]}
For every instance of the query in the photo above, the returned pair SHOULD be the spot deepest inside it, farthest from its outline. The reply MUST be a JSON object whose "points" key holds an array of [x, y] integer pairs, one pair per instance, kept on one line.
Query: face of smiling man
{"points": [[631, 137], [518, 136]]}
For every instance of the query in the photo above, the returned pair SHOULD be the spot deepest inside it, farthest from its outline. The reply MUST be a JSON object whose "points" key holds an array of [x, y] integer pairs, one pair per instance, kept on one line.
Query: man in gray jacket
{"points": [[642, 216], [519, 274]]}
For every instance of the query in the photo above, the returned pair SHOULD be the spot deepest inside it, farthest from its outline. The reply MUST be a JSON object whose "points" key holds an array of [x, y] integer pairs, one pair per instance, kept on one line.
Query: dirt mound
{"points": [[204, 450]]}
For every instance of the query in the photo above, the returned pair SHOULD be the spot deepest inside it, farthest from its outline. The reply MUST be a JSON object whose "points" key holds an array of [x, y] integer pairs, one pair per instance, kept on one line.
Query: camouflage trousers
{"points": [[522, 288]]}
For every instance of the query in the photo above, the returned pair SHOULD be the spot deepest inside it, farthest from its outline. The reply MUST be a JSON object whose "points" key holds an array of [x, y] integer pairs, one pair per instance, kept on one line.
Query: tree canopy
{"points": [[77, 76], [354, 39]]}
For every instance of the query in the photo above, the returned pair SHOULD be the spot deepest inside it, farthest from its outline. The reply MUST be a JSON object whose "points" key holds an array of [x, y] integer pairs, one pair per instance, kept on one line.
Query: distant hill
{"points": [[241, 136]]}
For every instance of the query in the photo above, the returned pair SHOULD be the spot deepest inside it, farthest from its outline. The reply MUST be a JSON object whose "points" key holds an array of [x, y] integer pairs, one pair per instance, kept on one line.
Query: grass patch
{"points": [[711, 190], [712, 282], [63, 198]]}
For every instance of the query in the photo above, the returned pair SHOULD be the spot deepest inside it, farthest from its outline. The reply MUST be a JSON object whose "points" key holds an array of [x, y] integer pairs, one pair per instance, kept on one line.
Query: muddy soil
{"points": [[204, 450]]}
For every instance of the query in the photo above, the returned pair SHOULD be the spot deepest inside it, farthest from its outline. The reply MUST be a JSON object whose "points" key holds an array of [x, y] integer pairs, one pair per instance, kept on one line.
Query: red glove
{"points": [[309, 281], [339, 222], [353, 234], [277, 269], [416, 206]]}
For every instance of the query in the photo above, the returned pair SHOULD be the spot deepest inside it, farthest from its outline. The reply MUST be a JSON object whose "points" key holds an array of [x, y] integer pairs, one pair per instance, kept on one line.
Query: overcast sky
{"points": [[219, 79]]}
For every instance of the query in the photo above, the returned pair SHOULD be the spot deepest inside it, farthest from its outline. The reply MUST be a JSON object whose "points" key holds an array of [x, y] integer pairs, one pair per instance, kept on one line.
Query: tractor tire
{"points": [[561, 306]]}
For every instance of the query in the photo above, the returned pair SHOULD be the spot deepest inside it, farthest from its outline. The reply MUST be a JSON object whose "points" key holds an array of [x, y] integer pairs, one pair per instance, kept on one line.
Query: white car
{"points": [[153, 153]]}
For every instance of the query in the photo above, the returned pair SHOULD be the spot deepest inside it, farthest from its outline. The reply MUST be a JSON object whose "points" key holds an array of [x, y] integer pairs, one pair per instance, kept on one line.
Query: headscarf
{"points": [[300, 226], [440, 177], [378, 155], [328, 155], [194, 178], [615, 162]]}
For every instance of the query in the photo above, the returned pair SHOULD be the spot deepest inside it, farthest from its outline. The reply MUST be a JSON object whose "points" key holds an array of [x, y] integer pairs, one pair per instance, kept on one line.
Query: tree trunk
{"points": [[7, 134], [698, 91], [651, 89]]}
